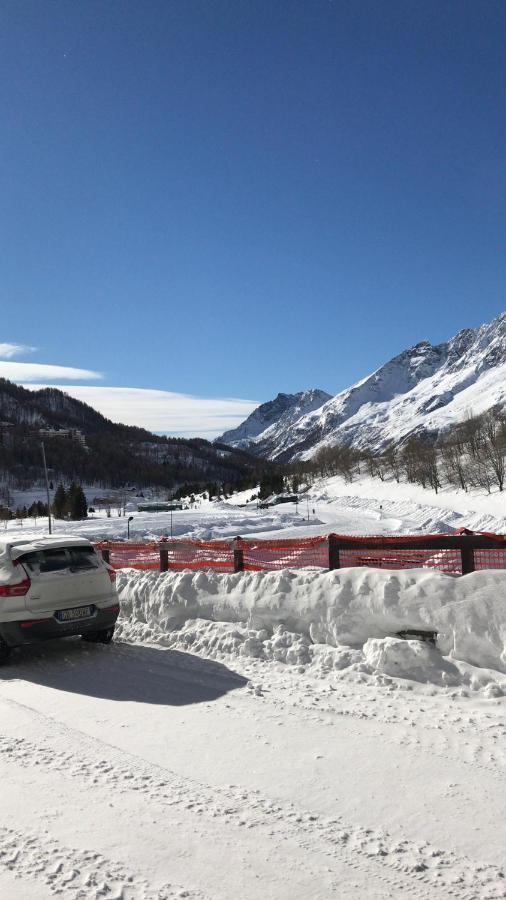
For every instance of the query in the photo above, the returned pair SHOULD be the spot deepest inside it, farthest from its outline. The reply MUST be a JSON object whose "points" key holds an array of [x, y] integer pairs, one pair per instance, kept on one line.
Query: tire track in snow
{"points": [[78, 874], [448, 740], [402, 866], [447, 747]]}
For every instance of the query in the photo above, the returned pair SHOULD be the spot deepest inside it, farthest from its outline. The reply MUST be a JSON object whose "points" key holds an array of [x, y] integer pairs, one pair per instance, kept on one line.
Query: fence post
{"points": [[106, 555], [334, 560], [238, 555], [164, 555], [467, 557]]}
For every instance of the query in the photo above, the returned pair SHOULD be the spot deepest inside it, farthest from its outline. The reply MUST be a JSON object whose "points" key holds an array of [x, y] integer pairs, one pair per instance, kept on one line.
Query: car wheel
{"points": [[100, 637], [5, 651]]}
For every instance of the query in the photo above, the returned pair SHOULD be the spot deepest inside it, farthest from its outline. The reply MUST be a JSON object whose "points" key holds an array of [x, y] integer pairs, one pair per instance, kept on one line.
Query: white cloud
{"points": [[20, 371], [7, 351], [162, 411]]}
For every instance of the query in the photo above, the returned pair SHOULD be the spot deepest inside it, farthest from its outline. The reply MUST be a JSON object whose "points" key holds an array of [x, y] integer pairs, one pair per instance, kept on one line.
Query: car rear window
{"points": [[55, 559], [83, 558]]}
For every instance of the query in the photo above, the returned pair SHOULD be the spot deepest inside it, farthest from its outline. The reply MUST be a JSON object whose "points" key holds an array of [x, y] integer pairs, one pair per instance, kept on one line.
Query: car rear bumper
{"points": [[30, 631]]}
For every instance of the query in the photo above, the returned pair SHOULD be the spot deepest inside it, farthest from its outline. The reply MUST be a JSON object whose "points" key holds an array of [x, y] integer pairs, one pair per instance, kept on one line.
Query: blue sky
{"points": [[229, 199]]}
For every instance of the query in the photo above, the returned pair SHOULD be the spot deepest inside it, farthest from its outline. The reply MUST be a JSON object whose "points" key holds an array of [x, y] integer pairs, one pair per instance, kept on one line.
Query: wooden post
{"points": [[164, 556], [106, 555], [334, 559], [467, 556], [238, 555]]}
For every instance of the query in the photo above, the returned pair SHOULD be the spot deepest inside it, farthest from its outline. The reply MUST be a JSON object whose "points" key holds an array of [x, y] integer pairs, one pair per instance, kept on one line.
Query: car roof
{"points": [[12, 548]]}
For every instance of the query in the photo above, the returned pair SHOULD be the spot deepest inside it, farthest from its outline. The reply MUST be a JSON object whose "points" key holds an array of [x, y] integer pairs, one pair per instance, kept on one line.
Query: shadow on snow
{"points": [[122, 672]]}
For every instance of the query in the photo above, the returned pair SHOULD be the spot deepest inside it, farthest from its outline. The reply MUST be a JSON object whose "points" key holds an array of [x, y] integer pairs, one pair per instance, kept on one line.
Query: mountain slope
{"points": [[424, 388], [282, 412]]}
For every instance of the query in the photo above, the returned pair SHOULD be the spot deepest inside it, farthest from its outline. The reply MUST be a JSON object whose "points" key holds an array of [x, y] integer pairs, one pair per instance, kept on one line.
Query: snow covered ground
{"points": [[279, 768], [366, 506], [266, 735]]}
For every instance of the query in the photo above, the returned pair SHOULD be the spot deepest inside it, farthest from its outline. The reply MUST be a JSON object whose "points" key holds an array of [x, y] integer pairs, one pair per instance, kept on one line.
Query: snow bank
{"points": [[416, 660], [301, 608]]}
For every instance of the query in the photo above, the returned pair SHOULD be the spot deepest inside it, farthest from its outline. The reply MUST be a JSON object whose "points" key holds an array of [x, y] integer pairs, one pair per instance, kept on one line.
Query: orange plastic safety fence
{"points": [[200, 555], [289, 554], [490, 559], [125, 555], [448, 561], [268, 555], [381, 540]]}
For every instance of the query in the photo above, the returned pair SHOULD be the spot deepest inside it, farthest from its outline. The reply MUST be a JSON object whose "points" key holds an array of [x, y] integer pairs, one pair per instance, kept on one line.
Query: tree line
{"points": [[109, 462], [470, 455], [67, 503]]}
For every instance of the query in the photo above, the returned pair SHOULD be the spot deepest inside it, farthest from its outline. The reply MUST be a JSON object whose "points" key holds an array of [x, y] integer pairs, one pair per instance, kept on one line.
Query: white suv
{"points": [[54, 587]]}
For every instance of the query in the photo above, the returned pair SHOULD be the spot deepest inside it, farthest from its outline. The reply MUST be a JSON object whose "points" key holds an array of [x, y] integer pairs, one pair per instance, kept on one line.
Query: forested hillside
{"points": [[82, 445]]}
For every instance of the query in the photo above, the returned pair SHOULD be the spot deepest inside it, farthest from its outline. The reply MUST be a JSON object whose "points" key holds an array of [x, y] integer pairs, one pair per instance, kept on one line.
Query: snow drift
{"points": [[342, 609]]}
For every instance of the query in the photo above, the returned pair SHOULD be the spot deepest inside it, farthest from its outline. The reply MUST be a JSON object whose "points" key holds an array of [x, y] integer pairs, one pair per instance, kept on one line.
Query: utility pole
{"points": [[47, 487]]}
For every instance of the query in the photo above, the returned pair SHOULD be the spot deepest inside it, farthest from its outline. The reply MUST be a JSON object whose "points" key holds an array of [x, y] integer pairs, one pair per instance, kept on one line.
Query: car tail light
{"points": [[110, 609], [112, 575], [31, 622], [16, 590]]}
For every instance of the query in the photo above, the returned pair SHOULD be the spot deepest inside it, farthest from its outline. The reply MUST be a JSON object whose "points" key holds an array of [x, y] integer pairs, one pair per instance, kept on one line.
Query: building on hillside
{"points": [[70, 434], [159, 507]]}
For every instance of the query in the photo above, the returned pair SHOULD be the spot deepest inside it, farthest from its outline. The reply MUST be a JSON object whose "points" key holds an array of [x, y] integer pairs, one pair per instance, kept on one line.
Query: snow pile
{"points": [[281, 615], [221, 638], [417, 660]]}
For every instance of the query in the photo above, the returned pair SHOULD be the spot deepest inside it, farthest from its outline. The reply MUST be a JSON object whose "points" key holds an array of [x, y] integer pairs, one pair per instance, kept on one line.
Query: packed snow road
{"points": [[136, 771]]}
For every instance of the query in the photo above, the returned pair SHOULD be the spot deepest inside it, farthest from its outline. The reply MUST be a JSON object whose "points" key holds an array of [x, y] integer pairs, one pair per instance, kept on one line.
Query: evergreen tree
{"points": [[60, 502], [77, 503], [70, 497], [81, 503], [271, 484]]}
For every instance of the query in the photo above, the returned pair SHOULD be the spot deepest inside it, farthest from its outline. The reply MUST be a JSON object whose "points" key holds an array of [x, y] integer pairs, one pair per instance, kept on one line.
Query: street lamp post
{"points": [[47, 487]]}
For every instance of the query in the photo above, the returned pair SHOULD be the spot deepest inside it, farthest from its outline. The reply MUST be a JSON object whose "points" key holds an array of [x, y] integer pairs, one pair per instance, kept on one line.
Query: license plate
{"points": [[70, 615]]}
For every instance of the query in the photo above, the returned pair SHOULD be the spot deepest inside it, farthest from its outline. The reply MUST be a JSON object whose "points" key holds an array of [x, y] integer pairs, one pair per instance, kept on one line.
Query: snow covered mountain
{"points": [[424, 388], [281, 413]]}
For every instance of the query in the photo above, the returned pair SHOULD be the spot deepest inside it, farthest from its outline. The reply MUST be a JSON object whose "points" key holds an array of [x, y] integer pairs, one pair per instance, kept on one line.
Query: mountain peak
{"points": [[426, 387], [284, 411]]}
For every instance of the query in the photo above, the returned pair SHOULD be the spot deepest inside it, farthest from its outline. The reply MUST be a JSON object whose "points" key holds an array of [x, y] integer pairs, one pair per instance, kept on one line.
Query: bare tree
{"points": [[454, 463], [495, 446], [392, 462]]}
